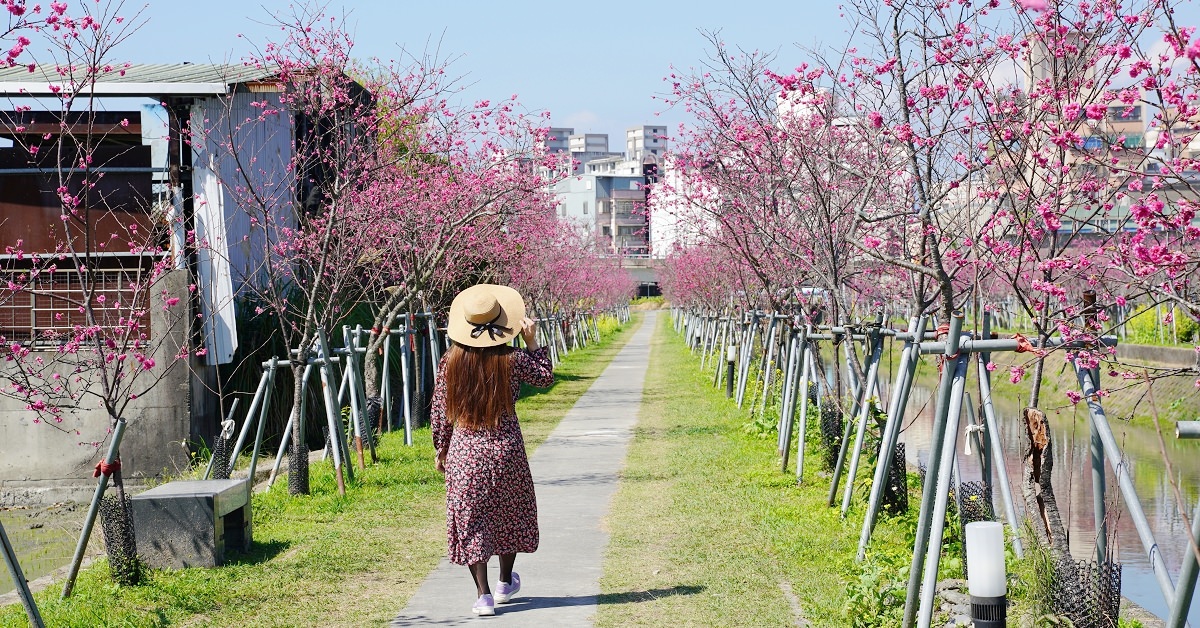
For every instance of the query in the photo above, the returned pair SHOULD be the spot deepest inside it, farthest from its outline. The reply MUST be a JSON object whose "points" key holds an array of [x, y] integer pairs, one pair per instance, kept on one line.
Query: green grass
{"points": [[706, 530], [322, 559]]}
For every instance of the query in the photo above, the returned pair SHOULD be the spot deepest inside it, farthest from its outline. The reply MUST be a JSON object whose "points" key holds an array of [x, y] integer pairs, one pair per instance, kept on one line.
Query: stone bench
{"points": [[191, 523]]}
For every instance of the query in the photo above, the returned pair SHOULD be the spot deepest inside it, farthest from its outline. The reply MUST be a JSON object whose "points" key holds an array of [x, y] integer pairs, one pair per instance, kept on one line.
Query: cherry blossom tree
{"points": [[308, 222], [454, 212]]}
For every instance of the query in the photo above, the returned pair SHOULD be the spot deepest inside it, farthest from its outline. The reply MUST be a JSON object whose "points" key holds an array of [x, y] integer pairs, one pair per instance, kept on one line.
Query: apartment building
{"points": [[605, 193]]}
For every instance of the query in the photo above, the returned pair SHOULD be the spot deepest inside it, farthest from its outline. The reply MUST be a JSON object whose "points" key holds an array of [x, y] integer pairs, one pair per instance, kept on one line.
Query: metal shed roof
{"points": [[146, 79]]}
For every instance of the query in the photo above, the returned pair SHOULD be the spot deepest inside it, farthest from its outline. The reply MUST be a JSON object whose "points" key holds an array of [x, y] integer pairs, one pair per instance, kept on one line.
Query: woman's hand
{"points": [[439, 463], [529, 333]]}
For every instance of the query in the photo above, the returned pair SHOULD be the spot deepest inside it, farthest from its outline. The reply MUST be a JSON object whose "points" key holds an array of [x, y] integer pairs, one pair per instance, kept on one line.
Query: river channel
{"points": [[1072, 481]]}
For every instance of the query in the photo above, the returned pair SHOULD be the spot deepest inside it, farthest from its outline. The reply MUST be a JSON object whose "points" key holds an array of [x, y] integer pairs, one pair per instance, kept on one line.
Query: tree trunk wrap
{"points": [[298, 453]]}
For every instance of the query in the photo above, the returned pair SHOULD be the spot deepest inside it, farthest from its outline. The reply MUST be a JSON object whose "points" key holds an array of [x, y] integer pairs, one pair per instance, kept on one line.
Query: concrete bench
{"points": [[191, 523]]}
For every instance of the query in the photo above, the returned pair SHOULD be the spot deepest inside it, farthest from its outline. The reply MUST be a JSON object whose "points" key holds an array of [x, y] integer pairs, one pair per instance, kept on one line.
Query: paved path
{"points": [[575, 471]]}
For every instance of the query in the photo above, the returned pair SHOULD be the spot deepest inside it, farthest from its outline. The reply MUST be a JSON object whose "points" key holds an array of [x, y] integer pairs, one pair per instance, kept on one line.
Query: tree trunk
{"points": [[1040, 503], [371, 369]]}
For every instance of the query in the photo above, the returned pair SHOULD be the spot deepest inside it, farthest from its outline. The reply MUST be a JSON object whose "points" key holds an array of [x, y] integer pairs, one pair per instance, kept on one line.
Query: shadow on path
{"points": [[534, 601]]}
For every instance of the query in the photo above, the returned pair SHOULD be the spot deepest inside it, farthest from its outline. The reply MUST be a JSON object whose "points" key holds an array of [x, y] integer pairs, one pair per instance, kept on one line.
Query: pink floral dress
{"points": [[490, 504]]}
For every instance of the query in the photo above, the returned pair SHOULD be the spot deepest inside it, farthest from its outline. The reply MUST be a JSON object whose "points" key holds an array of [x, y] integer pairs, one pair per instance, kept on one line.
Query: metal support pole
{"points": [[858, 388], [982, 444], [933, 554], [406, 377], [999, 465], [385, 381], [258, 436], [332, 420], [114, 451], [785, 392], [259, 393], [747, 357], [357, 368], [793, 385], [18, 578], [357, 405], [1099, 487], [864, 414], [291, 422], [706, 331], [891, 430], [1120, 467], [719, 354], [802, 433], [921, 540], [1187, 579], [769, 363], [435, 353]]}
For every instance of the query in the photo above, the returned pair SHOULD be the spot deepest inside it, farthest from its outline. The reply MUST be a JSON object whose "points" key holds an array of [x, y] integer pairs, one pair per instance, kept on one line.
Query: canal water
{"points": [[1072, 480]]}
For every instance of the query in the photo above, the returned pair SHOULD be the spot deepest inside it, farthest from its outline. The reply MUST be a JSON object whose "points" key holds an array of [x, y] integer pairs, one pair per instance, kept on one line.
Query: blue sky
{"points": [[594, 66]]}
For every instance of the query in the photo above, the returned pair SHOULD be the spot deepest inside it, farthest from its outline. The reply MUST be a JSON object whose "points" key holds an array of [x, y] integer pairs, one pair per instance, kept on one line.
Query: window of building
{"points": [[626, 231], [585, 207], [1122, 113], [606, 230], [587, 185], [562, 209]]}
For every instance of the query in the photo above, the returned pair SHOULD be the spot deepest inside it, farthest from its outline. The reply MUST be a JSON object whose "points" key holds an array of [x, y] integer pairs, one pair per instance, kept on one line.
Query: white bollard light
{"points": [[987, 578]]}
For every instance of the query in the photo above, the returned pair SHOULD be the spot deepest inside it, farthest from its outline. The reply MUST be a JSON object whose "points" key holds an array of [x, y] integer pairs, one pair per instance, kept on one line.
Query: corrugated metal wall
{"points": [[252, 152]]}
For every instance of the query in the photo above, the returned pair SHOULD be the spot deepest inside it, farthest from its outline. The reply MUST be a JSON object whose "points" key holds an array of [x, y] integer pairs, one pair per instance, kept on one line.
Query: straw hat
{"points": [[485, 315]]}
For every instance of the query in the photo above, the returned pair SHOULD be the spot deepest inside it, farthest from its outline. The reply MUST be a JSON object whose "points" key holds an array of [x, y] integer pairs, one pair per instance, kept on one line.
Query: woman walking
{"points": [[490, 505]]}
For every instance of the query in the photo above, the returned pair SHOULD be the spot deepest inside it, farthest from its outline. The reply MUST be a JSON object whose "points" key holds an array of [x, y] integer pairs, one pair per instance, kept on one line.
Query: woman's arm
{"points": [[442, 428], [529, 334], [532, 366]]}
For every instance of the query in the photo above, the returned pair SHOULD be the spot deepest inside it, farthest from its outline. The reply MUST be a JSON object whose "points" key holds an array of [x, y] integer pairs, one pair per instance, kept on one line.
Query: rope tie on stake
{"points": [[973, 427], [943, 330], [103, 468], [1025, 346]]}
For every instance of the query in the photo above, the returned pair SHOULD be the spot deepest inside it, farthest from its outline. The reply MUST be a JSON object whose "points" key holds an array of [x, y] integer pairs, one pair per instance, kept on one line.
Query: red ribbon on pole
{"points": [[103, 468]]}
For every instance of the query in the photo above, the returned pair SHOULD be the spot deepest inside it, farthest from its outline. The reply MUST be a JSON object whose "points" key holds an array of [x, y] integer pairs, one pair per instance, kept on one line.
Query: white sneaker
{"points": [[506, 592], [484, 606]]}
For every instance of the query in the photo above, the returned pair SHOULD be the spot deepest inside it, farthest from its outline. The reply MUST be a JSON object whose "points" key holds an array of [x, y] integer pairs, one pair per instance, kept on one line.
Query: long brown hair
{"points": [[477, 385]]}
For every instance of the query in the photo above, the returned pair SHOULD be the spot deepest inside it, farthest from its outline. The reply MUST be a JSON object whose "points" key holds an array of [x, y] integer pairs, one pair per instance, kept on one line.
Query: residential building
{"points": [[589, 143], [609, 208], [577, 150], [645, 140], [679, 211], [557, 139], [605, 195]]}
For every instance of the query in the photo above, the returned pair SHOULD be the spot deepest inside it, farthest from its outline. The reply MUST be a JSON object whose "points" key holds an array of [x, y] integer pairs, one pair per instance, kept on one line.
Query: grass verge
{"points": [[322, 559], [730, 540]]}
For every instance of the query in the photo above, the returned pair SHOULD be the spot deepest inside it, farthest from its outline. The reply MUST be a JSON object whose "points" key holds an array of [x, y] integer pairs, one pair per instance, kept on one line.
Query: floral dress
{"points": [[490, 505]]}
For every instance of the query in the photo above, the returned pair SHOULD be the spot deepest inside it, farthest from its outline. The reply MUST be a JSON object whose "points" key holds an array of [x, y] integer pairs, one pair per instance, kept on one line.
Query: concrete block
{"points": [[192, 523]]}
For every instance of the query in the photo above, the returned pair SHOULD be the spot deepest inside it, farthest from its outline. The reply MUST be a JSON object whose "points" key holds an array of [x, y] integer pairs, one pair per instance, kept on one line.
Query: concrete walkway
{"points": [[575, 471]]}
